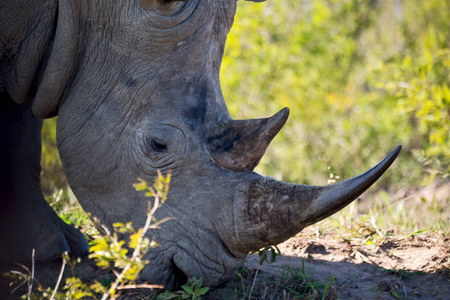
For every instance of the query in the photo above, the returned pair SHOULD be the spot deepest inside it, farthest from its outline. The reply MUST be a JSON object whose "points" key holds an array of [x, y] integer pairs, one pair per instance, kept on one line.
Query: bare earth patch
{"points": [[399, 268]]}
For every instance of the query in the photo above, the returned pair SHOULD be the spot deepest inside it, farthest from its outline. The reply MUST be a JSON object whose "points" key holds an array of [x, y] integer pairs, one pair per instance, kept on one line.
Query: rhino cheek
{"points": [[190, 242]]}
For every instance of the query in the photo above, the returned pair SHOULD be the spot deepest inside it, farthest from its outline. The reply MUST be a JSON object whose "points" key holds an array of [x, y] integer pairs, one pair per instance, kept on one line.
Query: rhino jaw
{"points": [[189, 249]]}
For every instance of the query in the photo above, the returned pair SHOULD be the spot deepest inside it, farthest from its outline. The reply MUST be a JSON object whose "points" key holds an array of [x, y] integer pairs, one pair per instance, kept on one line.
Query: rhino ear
{"points": [[154, 4]]}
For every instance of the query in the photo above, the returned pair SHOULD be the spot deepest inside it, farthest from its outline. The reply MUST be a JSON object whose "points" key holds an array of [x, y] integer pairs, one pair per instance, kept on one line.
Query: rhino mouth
{"points": [[213, 265], [167, 273], [179, 277]]}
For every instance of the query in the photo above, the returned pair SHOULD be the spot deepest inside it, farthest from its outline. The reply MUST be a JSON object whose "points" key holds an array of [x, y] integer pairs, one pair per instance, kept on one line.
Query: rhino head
{"points": [[136, 87]]}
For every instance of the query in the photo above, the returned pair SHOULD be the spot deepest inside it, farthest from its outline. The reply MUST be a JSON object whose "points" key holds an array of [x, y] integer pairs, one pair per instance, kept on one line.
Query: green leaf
{"points": [[202, 291], [188, 289]]}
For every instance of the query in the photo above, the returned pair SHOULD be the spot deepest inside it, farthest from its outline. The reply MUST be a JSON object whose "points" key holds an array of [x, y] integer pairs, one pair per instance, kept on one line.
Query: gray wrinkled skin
{"points": [[123, 98], [135, 85]]}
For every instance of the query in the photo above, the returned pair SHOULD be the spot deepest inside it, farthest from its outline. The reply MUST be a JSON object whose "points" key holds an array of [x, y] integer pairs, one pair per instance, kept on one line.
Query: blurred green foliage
{"points": [[360, 77], [52, 176]]}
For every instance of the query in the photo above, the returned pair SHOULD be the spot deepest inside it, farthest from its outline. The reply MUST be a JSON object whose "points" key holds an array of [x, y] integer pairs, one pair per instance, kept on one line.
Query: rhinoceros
{"points": [[135, 85]]}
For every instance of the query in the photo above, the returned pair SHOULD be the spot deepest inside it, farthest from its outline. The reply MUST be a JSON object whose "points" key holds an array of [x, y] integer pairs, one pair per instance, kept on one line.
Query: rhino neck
{"points": [[62, 62], [27, 31]]}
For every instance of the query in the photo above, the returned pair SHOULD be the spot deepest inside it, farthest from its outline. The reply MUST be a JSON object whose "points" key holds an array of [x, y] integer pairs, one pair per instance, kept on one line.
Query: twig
{"points": [[18, 286], [59, 278], [253, 284], [137, 250], [404, 291], [363, 257], [138, 286], [30, 284]]}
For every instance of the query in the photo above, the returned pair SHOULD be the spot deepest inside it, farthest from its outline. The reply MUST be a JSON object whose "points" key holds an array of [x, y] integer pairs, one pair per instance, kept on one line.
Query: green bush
{"points": [[342, 68]]}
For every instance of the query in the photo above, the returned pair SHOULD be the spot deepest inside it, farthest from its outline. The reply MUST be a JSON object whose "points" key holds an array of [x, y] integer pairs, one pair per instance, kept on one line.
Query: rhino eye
{"points": [[159, 145]]}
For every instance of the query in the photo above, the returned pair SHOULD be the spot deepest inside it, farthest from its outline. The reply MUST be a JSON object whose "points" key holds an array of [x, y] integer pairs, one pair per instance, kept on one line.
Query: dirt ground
{"points": [[417, 267]]}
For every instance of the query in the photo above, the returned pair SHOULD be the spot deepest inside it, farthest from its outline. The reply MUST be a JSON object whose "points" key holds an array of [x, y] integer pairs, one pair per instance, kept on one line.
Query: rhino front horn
{"points": [[239, 145], [267, 211]]}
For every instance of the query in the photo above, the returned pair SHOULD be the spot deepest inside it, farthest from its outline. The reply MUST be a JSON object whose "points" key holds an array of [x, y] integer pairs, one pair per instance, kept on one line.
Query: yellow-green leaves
{"points": [[160, 188], [359, 77], [120, 250]]}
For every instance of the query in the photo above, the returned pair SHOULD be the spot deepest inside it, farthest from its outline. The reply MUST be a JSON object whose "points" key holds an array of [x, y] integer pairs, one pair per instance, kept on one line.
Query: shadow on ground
{"points": [[397, 268]]}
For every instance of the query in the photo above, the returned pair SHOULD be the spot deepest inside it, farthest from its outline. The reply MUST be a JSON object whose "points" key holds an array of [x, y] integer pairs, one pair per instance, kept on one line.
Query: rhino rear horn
{"points": [[239, 145]]}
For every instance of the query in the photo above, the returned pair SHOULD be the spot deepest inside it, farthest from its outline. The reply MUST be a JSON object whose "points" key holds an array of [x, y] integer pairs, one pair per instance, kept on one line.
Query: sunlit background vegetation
{"points": [[360, 77]]}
